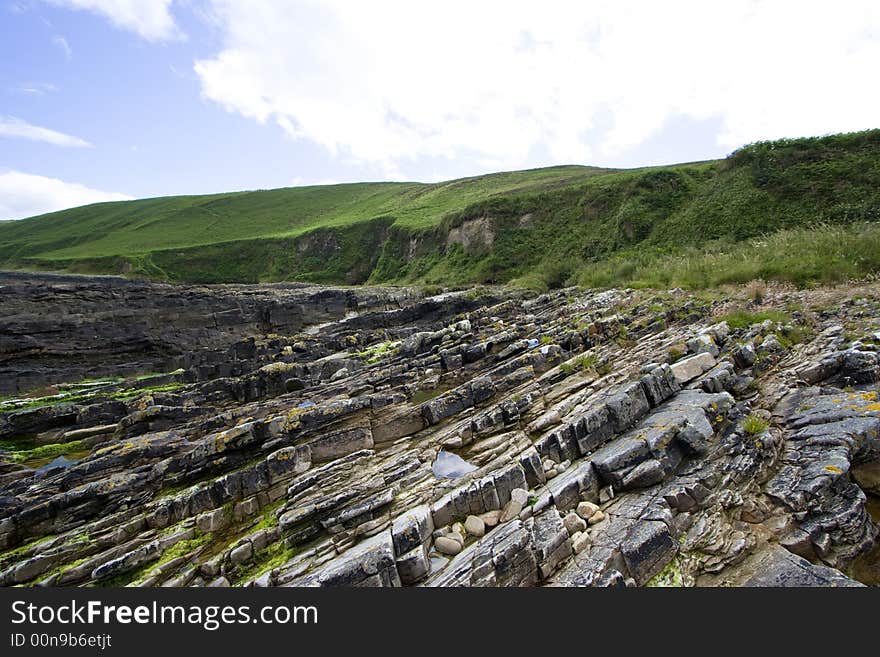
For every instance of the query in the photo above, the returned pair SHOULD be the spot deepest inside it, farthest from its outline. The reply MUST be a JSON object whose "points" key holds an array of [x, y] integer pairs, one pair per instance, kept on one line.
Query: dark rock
{"points": [[550, 541], [294, 384], [628, 406], [781, 568], [647, 548], [659, 385], [340, 443]]}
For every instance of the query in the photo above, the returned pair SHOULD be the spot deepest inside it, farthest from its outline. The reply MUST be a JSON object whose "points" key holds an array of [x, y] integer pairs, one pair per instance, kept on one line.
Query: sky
{"points": [[113, 99]]}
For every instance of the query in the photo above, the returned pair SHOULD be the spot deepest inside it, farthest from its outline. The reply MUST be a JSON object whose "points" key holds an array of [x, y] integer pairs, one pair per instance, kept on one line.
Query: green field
{"points": [[126, 227], [799, 210]]}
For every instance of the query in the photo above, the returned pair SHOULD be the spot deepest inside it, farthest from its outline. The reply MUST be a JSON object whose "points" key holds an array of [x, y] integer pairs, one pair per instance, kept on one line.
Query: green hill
{"points": [[800, 210]]}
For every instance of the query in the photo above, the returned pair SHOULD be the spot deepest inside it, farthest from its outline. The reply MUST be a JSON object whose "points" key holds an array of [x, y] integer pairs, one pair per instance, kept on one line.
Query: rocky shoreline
{"points": [[289, 435]]}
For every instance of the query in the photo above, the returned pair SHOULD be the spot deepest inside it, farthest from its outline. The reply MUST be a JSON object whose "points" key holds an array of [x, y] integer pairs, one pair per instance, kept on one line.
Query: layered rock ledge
{"points": [[292, 435]]}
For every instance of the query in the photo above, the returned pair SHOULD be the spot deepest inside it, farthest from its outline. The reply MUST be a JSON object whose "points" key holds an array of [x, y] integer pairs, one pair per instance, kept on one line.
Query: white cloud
{"points": [[11, 126], [63, 46], [25, 195], [36, 88], [151, 19], [514, 83]]}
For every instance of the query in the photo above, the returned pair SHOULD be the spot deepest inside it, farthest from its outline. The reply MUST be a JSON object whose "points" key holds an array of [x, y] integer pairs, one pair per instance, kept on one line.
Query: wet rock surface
{"points": [[57, 328], [474, 438]]}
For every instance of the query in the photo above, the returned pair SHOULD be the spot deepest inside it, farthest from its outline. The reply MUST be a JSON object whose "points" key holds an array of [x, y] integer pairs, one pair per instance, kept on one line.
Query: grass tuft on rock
{"points": [[754, 425]]}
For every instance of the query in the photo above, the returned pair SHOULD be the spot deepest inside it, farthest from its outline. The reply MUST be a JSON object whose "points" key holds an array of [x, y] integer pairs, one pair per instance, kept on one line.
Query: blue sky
{"points": [[109, 99]]}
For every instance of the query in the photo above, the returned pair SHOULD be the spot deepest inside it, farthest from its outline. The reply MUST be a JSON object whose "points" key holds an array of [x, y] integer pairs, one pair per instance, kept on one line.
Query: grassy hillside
{"points": [[690, 224], [129, 227]]}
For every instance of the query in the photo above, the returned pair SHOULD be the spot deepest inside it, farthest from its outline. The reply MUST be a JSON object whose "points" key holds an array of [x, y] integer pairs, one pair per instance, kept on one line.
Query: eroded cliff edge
{"points": [[290, 435]]}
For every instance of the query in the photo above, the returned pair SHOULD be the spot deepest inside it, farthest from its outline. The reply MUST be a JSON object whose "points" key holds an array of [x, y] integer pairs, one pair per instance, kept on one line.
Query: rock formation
{"points": [[295, 435]]}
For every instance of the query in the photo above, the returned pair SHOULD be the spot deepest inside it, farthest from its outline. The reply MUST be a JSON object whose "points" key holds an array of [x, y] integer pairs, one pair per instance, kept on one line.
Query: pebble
{"points": [[490, 518], [510, 511], [596, 518], [475, 526], [580, 541], [446, 545], [573, 523], [586, 509]]}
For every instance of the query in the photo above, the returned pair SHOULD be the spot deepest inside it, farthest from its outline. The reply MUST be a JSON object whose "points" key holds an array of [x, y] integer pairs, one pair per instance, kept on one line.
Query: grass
{"points": [[44, 452], [268, 517], [754, 425], [179, 549], [584, 362], [739, 319], [14, 554], [670, 576], [794, 334], [80, 397], [676, 352], [141, 226], [273, 556], [184, 547], [821, 253], [800, 211], [376, 353]]}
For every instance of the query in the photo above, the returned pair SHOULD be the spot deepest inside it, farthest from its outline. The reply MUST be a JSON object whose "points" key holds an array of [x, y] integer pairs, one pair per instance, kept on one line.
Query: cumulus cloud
{"points": [[513, 83], [151, 19], [11, 126], [25, 195]]}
